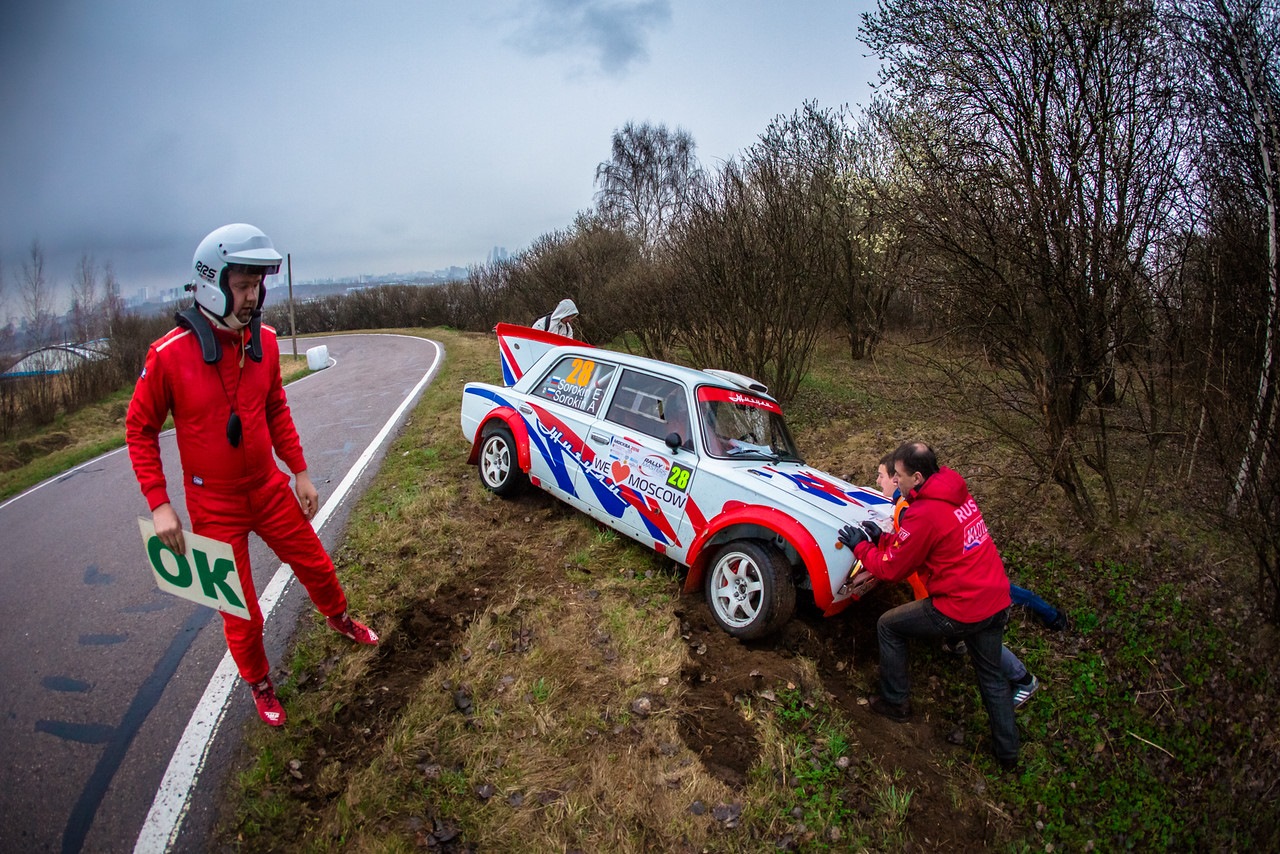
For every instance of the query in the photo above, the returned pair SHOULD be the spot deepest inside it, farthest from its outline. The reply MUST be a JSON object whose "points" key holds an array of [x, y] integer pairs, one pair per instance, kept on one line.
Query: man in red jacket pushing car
{"points": [[942, 536], [219, 374]]}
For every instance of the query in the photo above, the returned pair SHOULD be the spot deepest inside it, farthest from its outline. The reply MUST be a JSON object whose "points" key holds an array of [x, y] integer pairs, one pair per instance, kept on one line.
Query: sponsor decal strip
{"points": [[613, 496]]}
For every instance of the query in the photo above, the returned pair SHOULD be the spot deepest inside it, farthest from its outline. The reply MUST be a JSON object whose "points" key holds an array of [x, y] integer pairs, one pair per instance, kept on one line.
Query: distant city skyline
{"points": [[147, 295]]}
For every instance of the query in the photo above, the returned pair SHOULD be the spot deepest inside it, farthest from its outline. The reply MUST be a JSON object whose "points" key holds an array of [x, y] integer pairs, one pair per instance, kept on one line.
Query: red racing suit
{"points": [[231, 490], [942, 536]]}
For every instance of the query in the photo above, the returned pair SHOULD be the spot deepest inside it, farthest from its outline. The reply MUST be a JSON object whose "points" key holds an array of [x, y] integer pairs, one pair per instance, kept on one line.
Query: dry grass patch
{"points": [[539, 687], [543, 686]]}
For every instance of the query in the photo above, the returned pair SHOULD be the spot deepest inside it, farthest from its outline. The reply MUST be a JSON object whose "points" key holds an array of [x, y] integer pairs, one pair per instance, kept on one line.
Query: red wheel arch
{"points": [[785, 526], [515, 424]]}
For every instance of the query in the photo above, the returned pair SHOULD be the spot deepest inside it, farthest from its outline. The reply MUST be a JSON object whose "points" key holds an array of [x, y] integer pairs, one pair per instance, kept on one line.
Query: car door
{"points": [[640, 481], [559, 410]]}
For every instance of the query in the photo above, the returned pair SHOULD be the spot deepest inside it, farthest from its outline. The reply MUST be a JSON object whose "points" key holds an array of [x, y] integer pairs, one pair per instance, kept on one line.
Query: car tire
{"points": [[749, 589], [499, 462]]}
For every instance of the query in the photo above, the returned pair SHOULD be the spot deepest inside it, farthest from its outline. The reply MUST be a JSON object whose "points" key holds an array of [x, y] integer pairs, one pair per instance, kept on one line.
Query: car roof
{"points": [[692, 377]]}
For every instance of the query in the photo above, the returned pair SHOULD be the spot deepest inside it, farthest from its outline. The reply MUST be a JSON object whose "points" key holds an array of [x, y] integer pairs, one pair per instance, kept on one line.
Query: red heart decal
{"points": [[620, 471]]}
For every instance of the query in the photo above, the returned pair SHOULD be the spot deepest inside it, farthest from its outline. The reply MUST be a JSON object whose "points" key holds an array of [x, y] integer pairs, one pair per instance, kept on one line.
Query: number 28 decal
{"points": [[581, 373], [679, 477]]}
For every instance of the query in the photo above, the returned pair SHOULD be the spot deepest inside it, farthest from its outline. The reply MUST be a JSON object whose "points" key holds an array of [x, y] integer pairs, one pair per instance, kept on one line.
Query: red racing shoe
{"points": [[357, 631], [269, 708]]}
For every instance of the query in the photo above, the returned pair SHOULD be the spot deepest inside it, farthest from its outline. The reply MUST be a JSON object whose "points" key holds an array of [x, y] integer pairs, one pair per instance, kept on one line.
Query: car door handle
{"points": [[599, 440], [526, 409]]}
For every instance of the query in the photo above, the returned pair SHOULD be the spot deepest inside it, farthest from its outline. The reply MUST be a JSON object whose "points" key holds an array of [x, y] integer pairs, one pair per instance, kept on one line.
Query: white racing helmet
{"points": [[238, 243]]}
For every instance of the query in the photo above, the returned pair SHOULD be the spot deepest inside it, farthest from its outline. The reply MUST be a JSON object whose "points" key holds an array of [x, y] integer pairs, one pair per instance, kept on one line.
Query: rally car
{"points": [[696, 464]]}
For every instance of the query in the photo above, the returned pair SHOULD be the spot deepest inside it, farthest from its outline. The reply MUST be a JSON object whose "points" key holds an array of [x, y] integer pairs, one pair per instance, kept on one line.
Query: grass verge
{"points": [[543, 686]]}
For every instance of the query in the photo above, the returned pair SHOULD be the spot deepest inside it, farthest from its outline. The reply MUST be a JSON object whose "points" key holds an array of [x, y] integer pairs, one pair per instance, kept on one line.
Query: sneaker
{"points": [[1022, 693], [357, 631], [955, 647], [1008, 763], [269, 708], [1058, 623], [900, 712]]}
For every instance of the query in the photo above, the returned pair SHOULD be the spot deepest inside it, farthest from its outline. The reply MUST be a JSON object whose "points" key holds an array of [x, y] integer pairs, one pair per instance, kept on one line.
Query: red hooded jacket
{"points": [[201, 397], [942, 536]]}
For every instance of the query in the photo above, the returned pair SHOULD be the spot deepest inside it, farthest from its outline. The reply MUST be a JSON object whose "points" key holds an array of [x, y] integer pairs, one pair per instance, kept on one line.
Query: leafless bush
{"points": [[383, 307], [648, 304], [772, 247], [10, 413], [483, 298], [37, 400], [591, 263], [131, 336]]}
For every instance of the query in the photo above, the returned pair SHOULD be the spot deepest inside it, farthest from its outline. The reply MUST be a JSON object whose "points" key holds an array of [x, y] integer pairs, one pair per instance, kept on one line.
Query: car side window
{"points": [[652, 406], [577, 382]]}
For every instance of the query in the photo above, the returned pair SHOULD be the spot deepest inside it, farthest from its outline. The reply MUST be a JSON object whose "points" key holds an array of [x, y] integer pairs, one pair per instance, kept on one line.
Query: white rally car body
{"points": [[697, 465]]}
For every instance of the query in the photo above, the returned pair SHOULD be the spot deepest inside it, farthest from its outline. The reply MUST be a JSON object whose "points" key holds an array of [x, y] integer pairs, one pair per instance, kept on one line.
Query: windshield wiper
{"points": [[757, 453]]}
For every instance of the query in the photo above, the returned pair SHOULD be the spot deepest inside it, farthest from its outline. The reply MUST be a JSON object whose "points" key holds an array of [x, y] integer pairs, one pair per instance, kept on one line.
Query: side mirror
{"points": [[674, 441]]}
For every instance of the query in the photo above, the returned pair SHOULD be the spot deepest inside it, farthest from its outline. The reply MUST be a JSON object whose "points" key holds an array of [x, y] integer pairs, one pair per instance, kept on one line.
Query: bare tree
{"points": [[592, 263], [112, 304], [644, 186], [1233, 80], [37, 298], [755, 255], [1238, 46], [857, 166], [85, 311], [1042, 141], [7, 332]]}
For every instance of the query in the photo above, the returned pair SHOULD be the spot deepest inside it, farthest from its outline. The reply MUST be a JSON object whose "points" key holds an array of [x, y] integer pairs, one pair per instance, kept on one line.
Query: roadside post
{"points": [[293, 330]]}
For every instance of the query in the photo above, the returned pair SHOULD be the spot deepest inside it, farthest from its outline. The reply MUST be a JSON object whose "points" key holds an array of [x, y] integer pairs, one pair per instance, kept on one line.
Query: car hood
{"points": [[788, 483]]}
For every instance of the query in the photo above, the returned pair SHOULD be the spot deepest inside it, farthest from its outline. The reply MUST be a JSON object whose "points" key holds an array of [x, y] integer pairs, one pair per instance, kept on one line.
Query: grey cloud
{"points": [[615, 31]]}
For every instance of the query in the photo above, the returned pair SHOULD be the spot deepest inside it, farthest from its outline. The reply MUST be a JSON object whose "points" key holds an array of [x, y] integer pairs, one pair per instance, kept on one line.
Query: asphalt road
{"points": [[100, 671]]}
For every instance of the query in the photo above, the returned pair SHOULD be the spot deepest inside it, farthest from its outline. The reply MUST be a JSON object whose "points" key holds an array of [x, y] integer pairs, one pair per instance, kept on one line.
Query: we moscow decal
{"points": [[631, 465], [616, 483]]}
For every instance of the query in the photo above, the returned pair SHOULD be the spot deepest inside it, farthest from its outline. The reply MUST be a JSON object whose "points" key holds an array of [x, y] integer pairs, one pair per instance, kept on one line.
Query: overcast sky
{"points": [[371, 137]]}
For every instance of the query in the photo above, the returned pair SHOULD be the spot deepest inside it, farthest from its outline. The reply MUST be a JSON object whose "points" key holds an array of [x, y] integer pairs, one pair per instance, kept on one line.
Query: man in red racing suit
{"points": [[942, 536], [219, 374]]}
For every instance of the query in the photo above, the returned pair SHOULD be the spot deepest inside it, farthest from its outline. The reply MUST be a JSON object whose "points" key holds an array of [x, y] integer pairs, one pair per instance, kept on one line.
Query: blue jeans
{"points": [[1011, 666], [1042, 609], [985, 640]]}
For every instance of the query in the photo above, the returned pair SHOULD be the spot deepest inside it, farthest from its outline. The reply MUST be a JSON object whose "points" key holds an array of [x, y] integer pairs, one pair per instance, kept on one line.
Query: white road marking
{"points": [[171, 803], [61, 475]]}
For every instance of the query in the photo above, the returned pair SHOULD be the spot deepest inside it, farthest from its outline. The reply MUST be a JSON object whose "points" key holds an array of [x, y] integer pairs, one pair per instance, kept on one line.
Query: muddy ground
{"points": [[720, 673]]}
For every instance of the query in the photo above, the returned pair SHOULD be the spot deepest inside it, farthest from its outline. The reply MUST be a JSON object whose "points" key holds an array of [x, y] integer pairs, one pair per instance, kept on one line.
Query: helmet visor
{"points": [[254, 269], [253, 251]]}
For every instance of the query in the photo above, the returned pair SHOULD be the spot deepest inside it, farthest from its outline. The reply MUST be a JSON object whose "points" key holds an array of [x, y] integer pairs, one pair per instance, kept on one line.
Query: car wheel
{"points": [[750, 590], [499, 464]]}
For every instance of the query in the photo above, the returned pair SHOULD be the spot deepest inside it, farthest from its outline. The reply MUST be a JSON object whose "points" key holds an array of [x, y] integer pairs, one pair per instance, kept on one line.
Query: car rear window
{"points": [[577, 382]]}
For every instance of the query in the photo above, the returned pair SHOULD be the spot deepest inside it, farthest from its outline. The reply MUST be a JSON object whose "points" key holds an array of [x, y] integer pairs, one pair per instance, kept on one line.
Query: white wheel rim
{"points": [[495, 462], [737, 590]]}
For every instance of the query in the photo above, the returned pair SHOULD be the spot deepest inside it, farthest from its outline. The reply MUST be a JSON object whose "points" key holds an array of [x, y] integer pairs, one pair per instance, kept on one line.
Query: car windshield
{"points": [[744, 426]]}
